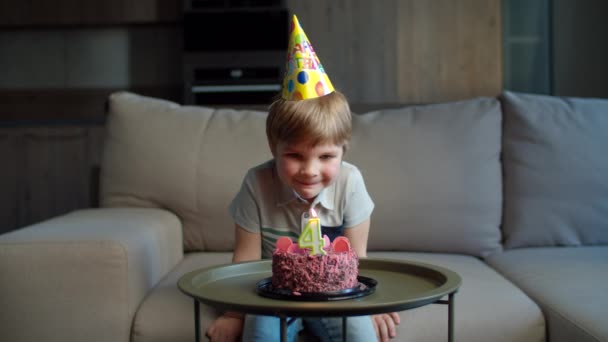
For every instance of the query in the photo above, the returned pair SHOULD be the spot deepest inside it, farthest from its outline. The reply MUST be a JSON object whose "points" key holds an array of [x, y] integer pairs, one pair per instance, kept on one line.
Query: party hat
{"points": [[305, 77]]}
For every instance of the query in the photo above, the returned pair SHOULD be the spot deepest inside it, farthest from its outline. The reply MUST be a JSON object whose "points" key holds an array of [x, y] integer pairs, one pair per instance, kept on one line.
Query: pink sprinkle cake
{"points": [[299, 271]]}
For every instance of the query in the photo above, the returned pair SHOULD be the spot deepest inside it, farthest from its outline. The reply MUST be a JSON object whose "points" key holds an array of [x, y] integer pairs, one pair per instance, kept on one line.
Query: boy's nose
{"points": [[309, 168]]}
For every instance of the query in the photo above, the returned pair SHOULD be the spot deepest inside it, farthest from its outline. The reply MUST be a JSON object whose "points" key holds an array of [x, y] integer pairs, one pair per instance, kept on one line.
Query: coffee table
{"points": [[402, 285]]}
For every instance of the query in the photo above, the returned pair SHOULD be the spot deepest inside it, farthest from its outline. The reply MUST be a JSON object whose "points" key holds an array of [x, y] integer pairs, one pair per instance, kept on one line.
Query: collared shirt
{"points": [[266, 205]]}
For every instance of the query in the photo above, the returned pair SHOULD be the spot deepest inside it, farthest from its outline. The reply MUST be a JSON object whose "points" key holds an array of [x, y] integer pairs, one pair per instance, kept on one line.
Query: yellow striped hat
{"points": [[305, 77]]}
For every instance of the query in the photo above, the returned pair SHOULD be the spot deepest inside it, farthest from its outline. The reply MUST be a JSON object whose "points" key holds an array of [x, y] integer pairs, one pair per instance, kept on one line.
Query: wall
{"points": [[59, 63], [102, 57], [407, 51], [527, 46], [580, 48], [46, 171], [556, 47]]}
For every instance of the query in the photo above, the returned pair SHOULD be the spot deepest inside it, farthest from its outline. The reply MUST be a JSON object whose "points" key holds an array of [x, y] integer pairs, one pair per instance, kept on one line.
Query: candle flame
{"points": [[313, 212]]}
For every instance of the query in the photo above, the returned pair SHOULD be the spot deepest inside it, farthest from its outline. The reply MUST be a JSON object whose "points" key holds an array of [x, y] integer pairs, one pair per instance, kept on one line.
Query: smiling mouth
{"points": [[307, 183]]}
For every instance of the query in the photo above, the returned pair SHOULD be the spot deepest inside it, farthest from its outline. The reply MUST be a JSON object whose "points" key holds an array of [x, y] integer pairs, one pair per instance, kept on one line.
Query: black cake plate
{"points": [[366, 287]]}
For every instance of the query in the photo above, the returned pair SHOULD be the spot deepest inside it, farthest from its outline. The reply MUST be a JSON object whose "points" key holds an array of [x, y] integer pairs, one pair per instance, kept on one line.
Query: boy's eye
{"points": [[293, 155], [327, 156]]}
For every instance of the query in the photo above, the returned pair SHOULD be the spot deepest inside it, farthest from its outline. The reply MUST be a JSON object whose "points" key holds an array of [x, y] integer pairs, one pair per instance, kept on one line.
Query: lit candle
{"points": [[311, 235]]}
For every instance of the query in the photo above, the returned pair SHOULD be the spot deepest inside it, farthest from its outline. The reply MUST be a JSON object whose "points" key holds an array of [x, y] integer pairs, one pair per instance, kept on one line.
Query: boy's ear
{"points": [[345, 148]]}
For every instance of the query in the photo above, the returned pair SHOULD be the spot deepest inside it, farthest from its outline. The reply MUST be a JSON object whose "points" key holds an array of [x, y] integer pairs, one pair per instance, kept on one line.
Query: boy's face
{"points": [[308, 169]]}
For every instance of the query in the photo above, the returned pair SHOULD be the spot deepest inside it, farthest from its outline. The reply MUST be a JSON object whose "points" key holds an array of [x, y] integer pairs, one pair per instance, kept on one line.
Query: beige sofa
{"points": [[509, 192]]}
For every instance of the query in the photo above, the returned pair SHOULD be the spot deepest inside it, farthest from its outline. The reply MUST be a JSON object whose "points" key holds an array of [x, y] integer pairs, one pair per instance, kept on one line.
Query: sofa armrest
{"points": [[82, 276]]}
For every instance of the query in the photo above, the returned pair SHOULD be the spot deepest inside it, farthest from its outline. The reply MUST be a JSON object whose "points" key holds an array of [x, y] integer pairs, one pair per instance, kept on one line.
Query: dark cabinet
{"points": [[19, 13]]}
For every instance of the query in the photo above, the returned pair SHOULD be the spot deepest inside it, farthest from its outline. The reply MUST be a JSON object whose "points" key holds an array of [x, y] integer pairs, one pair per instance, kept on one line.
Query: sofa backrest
{"points": [[434, 174], [188, 160], [433, 171], [555, 163]]}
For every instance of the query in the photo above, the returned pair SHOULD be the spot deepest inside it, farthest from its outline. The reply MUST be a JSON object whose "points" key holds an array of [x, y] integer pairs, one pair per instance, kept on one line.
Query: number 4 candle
{"points": [[311, 235]]}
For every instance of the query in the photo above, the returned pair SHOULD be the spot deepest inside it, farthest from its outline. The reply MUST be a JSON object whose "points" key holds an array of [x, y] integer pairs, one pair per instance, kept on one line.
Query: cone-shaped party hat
{"points": [[305, 77]]}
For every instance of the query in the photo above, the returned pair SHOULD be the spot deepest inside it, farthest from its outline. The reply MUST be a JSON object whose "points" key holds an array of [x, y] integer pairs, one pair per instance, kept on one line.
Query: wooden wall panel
{"points": [[9, 187], [412, 51], [56, 171], [47, 171], [355, 41]]}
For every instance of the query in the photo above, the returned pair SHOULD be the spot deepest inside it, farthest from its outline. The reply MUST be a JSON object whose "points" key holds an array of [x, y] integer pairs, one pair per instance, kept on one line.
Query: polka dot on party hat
{"points": [[305, 77], [302, 77]]}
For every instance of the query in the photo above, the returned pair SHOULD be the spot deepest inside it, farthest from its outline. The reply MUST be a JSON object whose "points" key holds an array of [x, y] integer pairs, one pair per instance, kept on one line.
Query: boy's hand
{"points": [[226, 328], [384, 324]]}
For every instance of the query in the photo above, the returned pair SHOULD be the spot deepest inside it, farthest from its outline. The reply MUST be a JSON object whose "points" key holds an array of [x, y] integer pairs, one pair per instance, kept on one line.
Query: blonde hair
{"points": [[325, 119]]}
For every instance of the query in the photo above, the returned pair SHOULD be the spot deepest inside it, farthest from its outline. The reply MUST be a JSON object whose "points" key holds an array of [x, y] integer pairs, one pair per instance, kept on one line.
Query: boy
{"points": [[308, 131]]}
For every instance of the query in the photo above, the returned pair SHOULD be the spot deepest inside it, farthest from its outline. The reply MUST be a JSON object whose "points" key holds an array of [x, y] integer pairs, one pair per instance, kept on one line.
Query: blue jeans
{"points": [[327, 329]]}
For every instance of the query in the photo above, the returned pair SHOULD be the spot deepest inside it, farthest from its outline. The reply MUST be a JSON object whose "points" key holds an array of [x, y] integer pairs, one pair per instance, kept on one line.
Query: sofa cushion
{"points": [[95, 262], [487, 306], [432, 170], [569, 283], [555, 170], [167, 314], [434, 174], [188, 160]]}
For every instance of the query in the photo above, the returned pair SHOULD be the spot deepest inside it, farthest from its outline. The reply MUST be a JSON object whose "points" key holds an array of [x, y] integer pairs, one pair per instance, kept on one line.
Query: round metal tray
{"points": [[401, 285]]}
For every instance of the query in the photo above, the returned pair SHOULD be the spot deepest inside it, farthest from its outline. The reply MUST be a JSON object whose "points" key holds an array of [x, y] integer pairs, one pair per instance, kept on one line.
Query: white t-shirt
{"points": [[265, 204]]}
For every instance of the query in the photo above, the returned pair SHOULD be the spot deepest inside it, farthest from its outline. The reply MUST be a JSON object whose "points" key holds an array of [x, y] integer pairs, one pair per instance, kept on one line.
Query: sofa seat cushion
{"points": [[167, 314], [569, 283], [488, 307]]}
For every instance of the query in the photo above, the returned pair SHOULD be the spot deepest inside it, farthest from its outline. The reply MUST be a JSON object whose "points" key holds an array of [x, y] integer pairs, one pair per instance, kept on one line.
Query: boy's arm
{"points": [[357, 235], [384, 324], [247, 245]]}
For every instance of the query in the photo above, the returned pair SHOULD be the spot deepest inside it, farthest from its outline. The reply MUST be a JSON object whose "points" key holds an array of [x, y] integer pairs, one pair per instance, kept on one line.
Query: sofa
{"points": [[510, 192]]}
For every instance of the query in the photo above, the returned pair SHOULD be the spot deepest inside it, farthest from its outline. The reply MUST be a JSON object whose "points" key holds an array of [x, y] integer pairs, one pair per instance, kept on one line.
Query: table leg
{"points": [[283, 329], [451, 317], [197, 321], [344, 328]]}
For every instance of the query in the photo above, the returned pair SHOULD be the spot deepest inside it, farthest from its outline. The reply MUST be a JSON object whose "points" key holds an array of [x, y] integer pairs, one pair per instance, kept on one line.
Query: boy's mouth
{"points": [[306, 183]]}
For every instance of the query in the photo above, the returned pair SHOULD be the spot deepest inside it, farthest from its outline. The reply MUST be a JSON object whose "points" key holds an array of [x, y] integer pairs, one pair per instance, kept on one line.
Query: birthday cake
{"points": [[299, 270]]}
